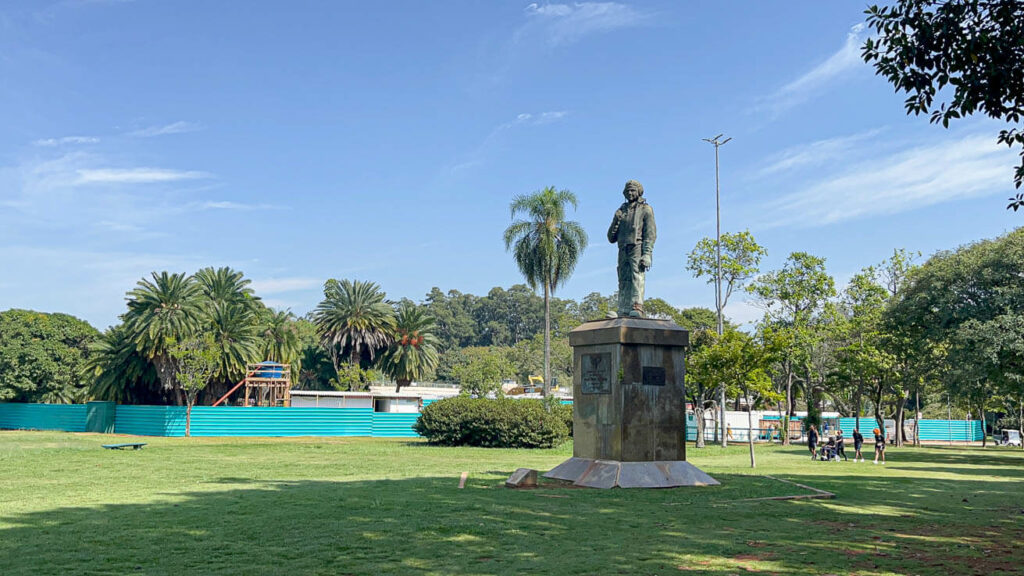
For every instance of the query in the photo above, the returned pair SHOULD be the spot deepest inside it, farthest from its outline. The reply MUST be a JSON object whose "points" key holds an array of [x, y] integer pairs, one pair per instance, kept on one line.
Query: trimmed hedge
{"points": [[492, 423]]}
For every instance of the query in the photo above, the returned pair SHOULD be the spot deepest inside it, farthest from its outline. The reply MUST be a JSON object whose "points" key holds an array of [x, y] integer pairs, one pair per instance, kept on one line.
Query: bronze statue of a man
{"points": [[634, 230]]}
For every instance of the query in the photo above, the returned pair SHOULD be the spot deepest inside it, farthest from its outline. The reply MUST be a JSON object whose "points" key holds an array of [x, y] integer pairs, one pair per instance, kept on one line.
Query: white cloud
{"points": [[811, 83], [66, 140], [136, 175], [179, 127], [740, 312], [889, 183], [523, 119], [281, 285], [561, 24], [228, 205], [816, 153]]}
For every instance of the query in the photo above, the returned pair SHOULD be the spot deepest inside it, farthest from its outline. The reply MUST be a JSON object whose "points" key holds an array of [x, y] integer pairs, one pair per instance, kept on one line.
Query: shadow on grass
{"points": [[428, 525]]}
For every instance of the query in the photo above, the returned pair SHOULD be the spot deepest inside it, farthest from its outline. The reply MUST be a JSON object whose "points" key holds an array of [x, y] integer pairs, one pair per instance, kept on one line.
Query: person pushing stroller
{"points": [[840, 448]]}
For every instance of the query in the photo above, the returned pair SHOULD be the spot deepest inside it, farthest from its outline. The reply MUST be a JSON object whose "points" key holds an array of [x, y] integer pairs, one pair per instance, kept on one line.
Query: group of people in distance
{"points": [[835, 447]]}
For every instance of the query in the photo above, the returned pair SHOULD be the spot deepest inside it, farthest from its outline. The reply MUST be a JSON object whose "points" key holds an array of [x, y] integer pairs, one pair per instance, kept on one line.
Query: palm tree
{"points": [[281, 339], [546, 248], [165, 310], [353, 321], [414, 350], [226, 286], [236, 337], [117, 371]]}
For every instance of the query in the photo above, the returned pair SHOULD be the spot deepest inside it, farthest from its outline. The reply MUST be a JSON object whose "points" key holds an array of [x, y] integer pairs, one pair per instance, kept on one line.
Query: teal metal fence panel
{"points": [[64, 417], [267, 421], [951, 430], [150, 420], [931, 430], [390, 425]]}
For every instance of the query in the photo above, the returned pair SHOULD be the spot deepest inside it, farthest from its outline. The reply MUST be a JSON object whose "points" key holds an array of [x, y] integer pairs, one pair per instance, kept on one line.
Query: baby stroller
{"points": [[828, 450]]}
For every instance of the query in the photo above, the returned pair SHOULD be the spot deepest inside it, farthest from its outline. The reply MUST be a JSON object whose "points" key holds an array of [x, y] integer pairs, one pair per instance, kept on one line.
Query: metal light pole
{"points": [[718, 275]]}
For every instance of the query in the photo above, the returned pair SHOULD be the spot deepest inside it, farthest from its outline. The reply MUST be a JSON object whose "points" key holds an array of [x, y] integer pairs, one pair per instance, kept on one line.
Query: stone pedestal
{"points": [[629, 406]]}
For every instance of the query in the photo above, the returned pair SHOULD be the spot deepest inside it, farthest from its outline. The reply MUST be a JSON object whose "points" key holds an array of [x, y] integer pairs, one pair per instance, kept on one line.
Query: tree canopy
{"points": [[968, 53], [43, 357]]}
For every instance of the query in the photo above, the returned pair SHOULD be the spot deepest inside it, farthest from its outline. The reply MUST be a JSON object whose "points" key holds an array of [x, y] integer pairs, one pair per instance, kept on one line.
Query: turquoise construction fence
{"points": [[216, 421], [931, 430], [65, 417]]}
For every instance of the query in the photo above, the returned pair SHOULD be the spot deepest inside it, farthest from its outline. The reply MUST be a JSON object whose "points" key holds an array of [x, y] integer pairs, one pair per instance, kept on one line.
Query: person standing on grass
{"points": [[858, 441], [840, 449], [812, 440], [879, 446]]}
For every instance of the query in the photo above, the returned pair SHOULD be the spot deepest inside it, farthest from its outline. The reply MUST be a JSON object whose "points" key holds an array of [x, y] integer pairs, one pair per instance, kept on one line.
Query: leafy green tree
{"points": [[196, 361], [698, 318], [413, 351], [594, 305], [739, 362], [456, 324], [741, 256], [527, 357], [966, 304], [168, 308], [482, 371], [700, 377], [864, 361], [546, 248], [42, 357], [793, 297], [967, 50], [354, 322]]}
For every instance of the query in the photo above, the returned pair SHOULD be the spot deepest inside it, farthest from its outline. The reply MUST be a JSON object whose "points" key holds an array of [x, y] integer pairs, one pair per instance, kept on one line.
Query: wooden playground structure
{"points": [[266, 384]]}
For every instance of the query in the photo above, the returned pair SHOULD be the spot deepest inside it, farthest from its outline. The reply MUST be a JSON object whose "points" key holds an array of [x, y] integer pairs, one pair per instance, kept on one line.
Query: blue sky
{"points": [[384, 141]]}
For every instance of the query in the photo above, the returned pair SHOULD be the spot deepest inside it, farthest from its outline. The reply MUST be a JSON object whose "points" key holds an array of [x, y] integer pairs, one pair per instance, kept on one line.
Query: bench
{"points": [[133, 446]]}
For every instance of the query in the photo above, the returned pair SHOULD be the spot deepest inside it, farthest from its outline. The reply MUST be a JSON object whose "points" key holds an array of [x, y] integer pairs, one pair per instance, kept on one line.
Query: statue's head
{"points": [[633, 190]]}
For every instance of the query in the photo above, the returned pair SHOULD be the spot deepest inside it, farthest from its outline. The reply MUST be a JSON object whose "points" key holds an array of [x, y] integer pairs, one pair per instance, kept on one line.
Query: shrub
{"points": [[492, 423]]}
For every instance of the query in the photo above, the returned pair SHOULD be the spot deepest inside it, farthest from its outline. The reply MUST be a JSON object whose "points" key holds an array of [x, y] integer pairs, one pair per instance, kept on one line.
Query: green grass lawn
{"points": [[371, 506]]}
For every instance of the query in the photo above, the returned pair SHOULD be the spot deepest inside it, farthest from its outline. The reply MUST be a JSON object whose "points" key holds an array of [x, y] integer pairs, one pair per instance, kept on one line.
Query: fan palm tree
{"points": [[353, 321], [546, 248], [414, 350], [161, 311]]}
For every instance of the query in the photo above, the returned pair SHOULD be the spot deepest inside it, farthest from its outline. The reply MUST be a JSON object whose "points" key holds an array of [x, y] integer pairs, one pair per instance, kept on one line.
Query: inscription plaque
{"points": [[653, 376], [596, 376]]}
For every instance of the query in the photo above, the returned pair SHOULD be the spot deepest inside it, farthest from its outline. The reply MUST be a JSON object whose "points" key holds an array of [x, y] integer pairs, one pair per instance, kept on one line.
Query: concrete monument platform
{"points": [[629, 406]]}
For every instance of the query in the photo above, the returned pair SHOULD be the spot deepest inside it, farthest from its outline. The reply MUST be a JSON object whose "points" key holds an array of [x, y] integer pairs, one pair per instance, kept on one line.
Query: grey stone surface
{"points": [[522, 478], [599, 474], [649, 331], [609, 474], [570, 470], [629, 431], [640, 414]]}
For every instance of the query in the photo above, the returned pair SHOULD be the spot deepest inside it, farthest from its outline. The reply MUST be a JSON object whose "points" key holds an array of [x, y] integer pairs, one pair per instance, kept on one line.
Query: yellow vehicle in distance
{"points": [[536, 386]]}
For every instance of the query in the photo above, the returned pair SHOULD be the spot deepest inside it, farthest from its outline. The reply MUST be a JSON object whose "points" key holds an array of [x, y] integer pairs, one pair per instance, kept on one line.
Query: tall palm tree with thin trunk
{"points": [[162, 311], [546, 247], [353, 321]]}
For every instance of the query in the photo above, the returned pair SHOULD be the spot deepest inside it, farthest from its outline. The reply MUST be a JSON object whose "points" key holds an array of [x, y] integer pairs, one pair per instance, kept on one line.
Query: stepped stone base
{"points": [[592, 473]]}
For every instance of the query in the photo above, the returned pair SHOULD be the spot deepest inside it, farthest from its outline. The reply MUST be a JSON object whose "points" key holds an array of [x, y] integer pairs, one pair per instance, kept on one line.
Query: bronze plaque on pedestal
{"points": [[596, 377]]}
